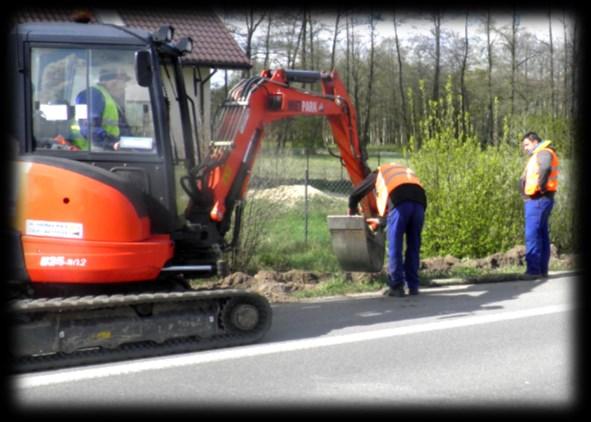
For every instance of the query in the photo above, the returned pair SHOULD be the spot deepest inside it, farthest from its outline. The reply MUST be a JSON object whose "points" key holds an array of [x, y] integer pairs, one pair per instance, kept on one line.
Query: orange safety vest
{"points": [[532, 171], [390, 176]]}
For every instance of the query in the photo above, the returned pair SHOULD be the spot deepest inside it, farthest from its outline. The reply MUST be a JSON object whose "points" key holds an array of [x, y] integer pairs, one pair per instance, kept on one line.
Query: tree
{"points": [[437, 34], [252, 23], [463, 95], [513, 49], [268, 42], [405, 117], [551, 45], [575, 71], [370, 77], [334, 40], [565, 64], [491, 109]]}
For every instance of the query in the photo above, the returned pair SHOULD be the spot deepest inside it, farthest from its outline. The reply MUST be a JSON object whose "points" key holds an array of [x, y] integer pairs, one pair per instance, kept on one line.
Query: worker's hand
{"points": [[373, 223], [352, 211]]}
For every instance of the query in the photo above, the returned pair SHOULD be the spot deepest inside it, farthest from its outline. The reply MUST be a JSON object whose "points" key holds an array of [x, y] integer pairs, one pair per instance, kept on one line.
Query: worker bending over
{"points": [[400, 194]]}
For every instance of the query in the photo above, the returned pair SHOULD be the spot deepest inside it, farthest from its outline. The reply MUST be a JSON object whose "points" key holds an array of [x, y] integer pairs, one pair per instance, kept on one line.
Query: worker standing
{"points": [[399, 193], [539, 182]]}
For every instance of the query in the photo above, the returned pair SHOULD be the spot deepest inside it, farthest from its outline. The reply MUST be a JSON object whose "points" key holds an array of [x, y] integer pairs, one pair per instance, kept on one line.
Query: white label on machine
{"points": [[62, 261], [54, 229], [81, 111], [136, 142], [54, 112]]}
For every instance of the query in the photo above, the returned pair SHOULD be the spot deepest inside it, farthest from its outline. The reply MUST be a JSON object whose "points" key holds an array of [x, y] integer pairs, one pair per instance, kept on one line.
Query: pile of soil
{"points": [[275, 286], [291, 195], [513, 257], [278, 286]]}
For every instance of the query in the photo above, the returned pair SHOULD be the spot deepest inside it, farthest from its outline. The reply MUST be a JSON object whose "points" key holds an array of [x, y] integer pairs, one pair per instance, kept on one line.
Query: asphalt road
{"points": [[509, 345]]}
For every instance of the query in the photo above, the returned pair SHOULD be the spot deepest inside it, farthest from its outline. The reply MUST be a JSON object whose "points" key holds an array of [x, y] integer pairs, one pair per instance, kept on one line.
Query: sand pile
{"points": [[290, 195]]}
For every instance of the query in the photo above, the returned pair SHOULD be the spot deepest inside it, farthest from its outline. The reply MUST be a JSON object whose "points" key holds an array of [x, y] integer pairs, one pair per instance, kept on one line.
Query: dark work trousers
{"points": [[537, 235], [405, 219]]}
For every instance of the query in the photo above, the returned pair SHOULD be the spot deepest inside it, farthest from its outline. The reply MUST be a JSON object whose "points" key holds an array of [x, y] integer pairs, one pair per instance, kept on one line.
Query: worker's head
{"points": [[530, 142], [114, 79]]}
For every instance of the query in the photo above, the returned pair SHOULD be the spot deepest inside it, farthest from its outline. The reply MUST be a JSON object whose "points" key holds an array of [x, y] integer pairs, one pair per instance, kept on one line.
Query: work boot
{"points": [[397, 291], [413, 292]]}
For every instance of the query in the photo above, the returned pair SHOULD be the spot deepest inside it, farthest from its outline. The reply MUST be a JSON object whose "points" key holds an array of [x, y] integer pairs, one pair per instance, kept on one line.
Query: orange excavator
{"points": [[102, 250]]}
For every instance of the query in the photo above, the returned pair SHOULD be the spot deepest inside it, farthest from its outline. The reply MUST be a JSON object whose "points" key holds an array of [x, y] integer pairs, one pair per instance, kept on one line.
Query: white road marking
{"points": [[150, 364]]}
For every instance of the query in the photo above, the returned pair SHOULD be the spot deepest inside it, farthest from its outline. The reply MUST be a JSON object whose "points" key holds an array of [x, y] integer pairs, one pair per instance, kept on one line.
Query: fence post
{"points": [[306, 179]]}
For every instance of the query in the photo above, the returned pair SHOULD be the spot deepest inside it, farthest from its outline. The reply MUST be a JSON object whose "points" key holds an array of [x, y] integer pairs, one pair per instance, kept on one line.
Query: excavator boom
{"points": [[258, 101]]}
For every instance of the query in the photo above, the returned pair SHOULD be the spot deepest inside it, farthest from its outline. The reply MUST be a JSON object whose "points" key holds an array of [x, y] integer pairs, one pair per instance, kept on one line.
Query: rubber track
{"points": [[138, 350]]}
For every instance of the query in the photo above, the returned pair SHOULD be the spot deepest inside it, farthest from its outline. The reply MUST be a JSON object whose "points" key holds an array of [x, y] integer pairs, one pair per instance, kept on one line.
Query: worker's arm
{"points": [[361, 190], [545, 165]]}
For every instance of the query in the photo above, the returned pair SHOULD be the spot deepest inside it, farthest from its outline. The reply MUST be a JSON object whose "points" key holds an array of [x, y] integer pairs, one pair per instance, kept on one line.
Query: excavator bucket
{"points": [[357, 247]]}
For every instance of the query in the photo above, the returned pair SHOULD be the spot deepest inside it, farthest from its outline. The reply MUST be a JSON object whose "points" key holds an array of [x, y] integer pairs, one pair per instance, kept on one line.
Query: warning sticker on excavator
{"points": [[54, 229]]}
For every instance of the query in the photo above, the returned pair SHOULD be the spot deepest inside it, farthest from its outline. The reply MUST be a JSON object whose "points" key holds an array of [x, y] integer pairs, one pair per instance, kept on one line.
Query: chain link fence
{"points": [[290, 195]]}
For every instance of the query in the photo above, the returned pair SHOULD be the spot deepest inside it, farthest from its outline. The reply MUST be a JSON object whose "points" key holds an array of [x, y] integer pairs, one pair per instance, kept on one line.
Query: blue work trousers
{"points": [[537, 235], [405, 219]]}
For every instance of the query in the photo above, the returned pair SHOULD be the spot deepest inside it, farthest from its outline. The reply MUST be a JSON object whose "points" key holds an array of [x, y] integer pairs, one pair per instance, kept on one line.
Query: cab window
{"points": [[88, 100]]}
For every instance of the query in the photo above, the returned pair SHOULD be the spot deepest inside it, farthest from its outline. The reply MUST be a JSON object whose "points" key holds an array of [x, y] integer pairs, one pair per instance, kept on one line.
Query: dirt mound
{"points": [[290, 195], [274, 285], [513, 257], [278, 286]]}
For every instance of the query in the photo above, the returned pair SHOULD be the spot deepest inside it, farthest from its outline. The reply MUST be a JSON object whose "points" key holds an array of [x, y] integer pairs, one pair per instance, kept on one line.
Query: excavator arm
{"points": [[222, 178], [251, 105]]}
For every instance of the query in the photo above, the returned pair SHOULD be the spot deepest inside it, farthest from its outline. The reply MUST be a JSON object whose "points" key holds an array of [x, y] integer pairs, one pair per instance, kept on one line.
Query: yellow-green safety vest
{"points": [[110, 120]]}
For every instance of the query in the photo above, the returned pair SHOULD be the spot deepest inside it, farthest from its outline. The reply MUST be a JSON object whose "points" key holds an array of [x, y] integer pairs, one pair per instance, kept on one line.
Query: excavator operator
{"points": [[106, 116]]}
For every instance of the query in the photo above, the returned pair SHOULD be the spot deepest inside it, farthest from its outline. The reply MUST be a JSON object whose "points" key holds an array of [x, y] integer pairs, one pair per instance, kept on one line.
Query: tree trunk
{"points": [[437, 23], [513, 45], [311, 26], [348, 56], [334, 40], [405, 125], [354, 71], [565, 68], [252, 24], [291, 61], [268, 42], [574, 72], [526, 78], [491, 109], [304, 39], [552, 88], [463, 95], [368, 102]]}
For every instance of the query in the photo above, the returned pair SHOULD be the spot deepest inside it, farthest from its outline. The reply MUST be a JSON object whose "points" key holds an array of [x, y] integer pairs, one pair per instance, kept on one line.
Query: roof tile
{"points": [[40, 14], [213, 45]]}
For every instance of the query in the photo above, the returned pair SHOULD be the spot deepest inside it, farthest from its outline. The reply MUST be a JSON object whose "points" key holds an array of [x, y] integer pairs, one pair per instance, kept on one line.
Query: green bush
{"points": [[474, 207]]}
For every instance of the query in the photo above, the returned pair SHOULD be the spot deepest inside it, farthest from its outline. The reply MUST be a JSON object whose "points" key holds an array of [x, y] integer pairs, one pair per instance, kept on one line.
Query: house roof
{"points": [[213, 45], [46, 14]]}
